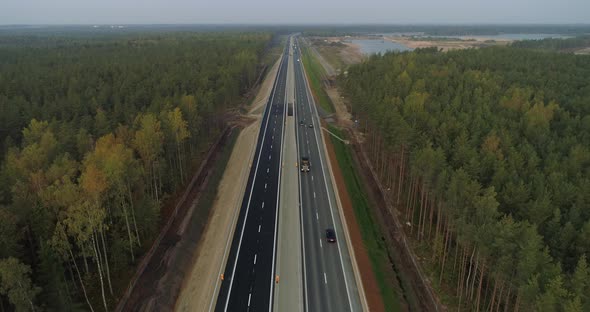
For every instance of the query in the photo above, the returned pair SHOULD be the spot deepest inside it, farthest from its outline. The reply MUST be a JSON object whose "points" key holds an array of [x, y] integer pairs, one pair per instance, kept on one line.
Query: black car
{"points": [[331, 235], [301, 123]]}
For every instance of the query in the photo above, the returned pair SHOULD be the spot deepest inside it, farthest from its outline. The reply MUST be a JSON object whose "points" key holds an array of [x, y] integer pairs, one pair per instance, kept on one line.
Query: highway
{"points": [[289, 291], [248, 278], [328, 279]]}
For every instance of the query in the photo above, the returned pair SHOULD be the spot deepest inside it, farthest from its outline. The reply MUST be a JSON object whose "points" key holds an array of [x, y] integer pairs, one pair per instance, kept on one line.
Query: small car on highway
{"points": [[330, 235], [311, 125]]}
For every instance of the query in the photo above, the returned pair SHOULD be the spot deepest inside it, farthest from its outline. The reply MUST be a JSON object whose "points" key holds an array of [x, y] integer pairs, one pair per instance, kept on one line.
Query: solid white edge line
{"points": [[252, 187], [316, 115], [274, 248], [300, 209], [236, 216]]}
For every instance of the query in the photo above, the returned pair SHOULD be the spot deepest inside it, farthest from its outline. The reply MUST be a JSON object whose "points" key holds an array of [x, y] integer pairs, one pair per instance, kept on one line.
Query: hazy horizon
{"points": [[262, 12]]}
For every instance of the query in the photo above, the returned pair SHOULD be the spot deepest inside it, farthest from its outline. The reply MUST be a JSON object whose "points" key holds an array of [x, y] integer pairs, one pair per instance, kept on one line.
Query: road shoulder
{"points": [[200, 286]]}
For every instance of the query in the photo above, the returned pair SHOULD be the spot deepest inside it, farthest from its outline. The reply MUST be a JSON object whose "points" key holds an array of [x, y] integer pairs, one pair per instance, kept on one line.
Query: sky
{"points": [[293, 12]]}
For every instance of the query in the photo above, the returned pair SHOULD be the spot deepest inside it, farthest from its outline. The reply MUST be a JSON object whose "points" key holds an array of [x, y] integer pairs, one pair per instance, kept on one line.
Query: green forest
{"points": [[96, 134], [486, 153], [555, 44]]}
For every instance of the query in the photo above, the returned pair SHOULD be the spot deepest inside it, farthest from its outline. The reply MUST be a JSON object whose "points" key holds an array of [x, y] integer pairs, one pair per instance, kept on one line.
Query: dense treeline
{"points": [[555, 44], [486, 154], [95, 133]]}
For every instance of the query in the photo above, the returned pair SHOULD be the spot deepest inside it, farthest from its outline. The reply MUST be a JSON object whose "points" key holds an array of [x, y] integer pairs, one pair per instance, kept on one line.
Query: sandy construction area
{"points": [[446, 45], [199, 287]]}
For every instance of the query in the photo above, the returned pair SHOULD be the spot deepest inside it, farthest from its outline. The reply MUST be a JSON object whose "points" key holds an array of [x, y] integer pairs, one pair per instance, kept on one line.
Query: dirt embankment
{"points": [[155, 285], [338, 51], [450, 44], [200, 283], [188, 247], [417, 290], [342, 51], [372, 292]]}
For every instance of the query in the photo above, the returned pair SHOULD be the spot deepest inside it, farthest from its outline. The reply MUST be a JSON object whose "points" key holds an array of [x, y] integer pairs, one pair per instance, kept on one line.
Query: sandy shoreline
{"points": [[352, 53], [451, 44]]}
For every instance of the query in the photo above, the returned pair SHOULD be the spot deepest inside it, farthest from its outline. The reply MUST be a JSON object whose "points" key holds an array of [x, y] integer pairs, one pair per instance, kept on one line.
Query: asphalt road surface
{"points": [[289, 291], [329, 283], [249, 275]]}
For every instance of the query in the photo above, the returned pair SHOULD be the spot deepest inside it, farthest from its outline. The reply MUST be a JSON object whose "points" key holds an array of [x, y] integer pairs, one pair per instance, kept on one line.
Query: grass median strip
{"points": [[370, 229], [315, 73]]}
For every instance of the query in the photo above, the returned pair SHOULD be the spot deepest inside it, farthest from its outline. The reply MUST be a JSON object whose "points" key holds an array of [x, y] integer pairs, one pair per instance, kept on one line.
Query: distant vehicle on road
{"points": [[305, 164], [330, 235], [301, 123], [311, 125]]}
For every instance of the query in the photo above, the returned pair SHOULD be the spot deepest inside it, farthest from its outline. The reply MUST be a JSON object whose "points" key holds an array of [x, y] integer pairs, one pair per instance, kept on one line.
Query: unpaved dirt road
{"points": [[199, 287]]}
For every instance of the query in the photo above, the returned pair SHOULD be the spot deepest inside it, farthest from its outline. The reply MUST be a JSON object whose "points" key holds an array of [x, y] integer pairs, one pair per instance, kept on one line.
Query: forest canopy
{"points": [[487, 154], [555, 44], [96, 132]]}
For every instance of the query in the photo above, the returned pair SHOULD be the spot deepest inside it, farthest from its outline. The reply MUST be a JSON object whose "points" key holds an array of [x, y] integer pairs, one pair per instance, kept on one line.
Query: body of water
{"points": [[373, 46]]}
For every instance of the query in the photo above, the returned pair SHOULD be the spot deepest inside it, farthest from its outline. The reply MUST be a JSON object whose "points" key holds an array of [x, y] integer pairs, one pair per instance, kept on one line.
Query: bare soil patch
{"points": [[199, 285], [156, 283], [343, 117], [372, 292], [417, 289], [162, 273], [447, 45], [338, 51]]}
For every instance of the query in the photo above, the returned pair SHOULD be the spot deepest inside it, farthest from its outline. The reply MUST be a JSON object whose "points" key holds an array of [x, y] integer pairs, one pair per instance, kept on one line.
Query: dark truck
{"points": [[305, 164]]}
